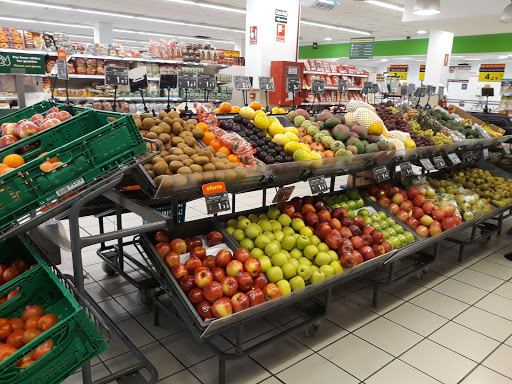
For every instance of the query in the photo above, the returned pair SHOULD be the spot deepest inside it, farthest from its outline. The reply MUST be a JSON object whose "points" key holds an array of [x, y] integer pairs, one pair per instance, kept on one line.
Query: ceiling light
{"points": [[385, 5], [427, 7], [208, 5], [384, 60], [16, 19], [334, 27], [473, 59], [81, 36], [422, 32], [169, 36], [328, 38], [506, 16], [503, 57], [189, 24]]}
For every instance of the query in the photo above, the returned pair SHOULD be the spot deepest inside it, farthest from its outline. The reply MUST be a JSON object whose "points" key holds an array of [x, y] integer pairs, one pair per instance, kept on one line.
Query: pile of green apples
{"points": [[289, 252]]}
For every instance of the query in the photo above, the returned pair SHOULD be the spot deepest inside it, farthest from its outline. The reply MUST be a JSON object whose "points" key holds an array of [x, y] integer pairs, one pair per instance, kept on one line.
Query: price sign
{"points": [[403, 90], [168, 81], [491, 72], [467, 157], [439, 162], [317, 185], [427, 164], [381, 173], [406, 169], [62, 70], [138, 79], [206, 81], [375, 88], [486, 153], [393, 87], [367, 87], [440, 91], [454, 158], [420, 92], [283, 194], [292, 83], [266, 84], [411, 88], [116, 76], [242, 83], [431, 90], [216, 197], [318, 87], [383, 87], [342, 86], [187, 80]]}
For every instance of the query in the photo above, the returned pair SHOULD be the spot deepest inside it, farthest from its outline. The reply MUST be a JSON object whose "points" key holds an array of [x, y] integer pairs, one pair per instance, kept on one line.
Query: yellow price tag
{"points": [[491, 72], [399, 71]]}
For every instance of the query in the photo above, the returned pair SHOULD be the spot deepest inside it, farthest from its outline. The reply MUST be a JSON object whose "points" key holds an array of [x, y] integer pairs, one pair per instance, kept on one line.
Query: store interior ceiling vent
{"points": [[320, 4]]}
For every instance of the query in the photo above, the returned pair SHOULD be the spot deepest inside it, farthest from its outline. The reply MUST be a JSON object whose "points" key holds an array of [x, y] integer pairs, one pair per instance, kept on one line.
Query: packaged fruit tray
{"points": [[100, 146], [74, 338]]}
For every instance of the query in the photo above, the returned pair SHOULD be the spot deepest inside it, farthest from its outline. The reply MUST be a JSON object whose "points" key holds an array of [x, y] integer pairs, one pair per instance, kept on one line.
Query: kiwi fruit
{"points": [[208, 176], [162, 115], [157, 159], [190, 141], [194, 122], [151, 147], [201, 160], [189, 151], [148, 166], [177, 128], [183, 157], [151, 135], [176, 140], [166, 128], [208, 167], [188, 162], [221, 155], [157, 121], [182, 146], [176, 151], [136, 116], [164, 137], [173, 115], [138, 123], [196, 178]]}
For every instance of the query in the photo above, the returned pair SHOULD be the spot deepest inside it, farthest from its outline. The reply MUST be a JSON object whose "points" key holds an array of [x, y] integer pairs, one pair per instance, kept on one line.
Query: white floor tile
{"points": [[499, 361], [478, 279], [496, 304], [438, 362], [416, 319], [315, 369], [429, 280], [327, 333], [499, 258], [130, 302], [352, 354], [446, 268], [493, 269], [164, 362], [505, 290], [183, 377], [252, 329], [114, 310], [398, 372], [405, 290], [483, 375], [486, 323], [439, 304], [349, 315], [168, 326], [135, 332], [364, 297], [460, 291]]}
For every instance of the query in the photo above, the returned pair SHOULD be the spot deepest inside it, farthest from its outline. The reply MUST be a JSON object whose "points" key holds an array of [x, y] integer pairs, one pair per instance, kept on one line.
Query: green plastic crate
{"points": [[102, 149], [27, 113], [75, 338]]}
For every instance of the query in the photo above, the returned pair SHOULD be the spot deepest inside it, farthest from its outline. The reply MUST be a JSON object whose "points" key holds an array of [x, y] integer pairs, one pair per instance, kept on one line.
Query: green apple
{"points": [[402, 238], [247, 244], [261, 241], [295, 235], [296, 253], [352, 193], [344, 205], [377, 226], [391, 231], [289, 270], [297, 224], [310, 251], [293, 261], [230, 230], [375, 217], [322, 259], [351, 213], [285, 252], [278, 259], [352, 205], [359, 203], [343, 198], [265, 225], [270, 235], [257, 253], [274, 274], [390, 221], [252, 231], [398, 228], [276, 243], [333, 254], [363, 213], [284, 286], [265, 263], [306, 231], [409, 236], [288, 242], [395, 242], [232, 223], [288, 231], [243, 222], [323, 247], [297, 283], [253, 218], [336, 266], [313, 268], [382, 215], [302, 242], [367, 220], [317, 276], [276, 225], [239, 235], [305, 261], [264, 217], [273, 213], [271, 249], [284, 220], [304, 271], [384, 224], [315, 240], [327, 270]]}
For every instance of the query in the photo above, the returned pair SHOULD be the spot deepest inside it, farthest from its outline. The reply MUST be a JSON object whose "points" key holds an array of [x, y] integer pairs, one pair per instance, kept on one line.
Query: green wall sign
{"points": [[22, 63], [361, 48]]}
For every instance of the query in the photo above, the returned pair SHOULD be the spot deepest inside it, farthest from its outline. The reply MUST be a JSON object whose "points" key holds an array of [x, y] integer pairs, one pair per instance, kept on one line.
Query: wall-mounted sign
{"points": [[22, 63], [491, 72], [422, 72], [253, 35], [281, 16], [361, 48], [281, 32], [399, 71], [459, 73]]}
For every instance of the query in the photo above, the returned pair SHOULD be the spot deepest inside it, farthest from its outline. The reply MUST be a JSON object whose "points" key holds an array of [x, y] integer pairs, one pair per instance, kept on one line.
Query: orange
{"points": [[224, 150], [255, 105], [50, 160], [203, 127], [57, 164], [233, 158], [3, 166], [217, 111], [216, 145], [235, 109], [6, 170], [208, 137], [225, 107], [14, 161], [46, 166]]}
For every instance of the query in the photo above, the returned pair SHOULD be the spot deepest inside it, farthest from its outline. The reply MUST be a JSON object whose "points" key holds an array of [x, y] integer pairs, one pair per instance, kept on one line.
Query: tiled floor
{"points": [[452, 326]]}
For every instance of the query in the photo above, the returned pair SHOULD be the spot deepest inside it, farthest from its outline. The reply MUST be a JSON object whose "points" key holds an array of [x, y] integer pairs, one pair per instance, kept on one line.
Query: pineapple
{"points": [[427, 122]]}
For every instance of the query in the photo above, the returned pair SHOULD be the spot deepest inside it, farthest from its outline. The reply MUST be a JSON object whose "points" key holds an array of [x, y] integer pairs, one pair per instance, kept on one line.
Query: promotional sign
{"points": [[242, 83], [62, 70], [216, 197], [318, 86], [459, 73], [281, 33], [168, 81], [292, 83], [491, 72], [342, 86], [230, 53], [22, 63], [253, 35], [399, 71], [422, 72], [361, 48]]}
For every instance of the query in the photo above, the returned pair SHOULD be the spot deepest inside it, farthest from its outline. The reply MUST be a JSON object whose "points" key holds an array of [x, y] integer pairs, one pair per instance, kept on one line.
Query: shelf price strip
{"points": [[406, 169], [216, 197]]}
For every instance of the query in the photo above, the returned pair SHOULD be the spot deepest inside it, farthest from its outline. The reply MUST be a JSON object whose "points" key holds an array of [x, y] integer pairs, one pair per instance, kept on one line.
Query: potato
{"points": [[152, 174], [219, 166], [158, 180], [194, 122], [165, 127], [188, 162], [146, 116], [179, 120], [173, 115], [148, 166], [162, 115], [208, 176], [157, 129], [208, 167], [230, 175], [171, 158], [177, 128], [201, 160], [175, 165], [176, 151], [196, 178], [151, 147], [147, 123], [198, 133], [196, 168], [189, 127], [183, 157], [138, 123], [164, 137], [151, 135], [157, 121], [189, 151], [136, 116], [168, 121], [182, 146], [168, 147], [184, 171], [190, 141], [164, 154], [157, 159], [176, 140], [143, 132], [221, 155], [186, 134], [160, 168]]}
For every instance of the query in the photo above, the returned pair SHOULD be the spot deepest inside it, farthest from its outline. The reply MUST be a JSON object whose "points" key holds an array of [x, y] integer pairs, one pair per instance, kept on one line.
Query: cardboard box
{"points": [[462, 113]]}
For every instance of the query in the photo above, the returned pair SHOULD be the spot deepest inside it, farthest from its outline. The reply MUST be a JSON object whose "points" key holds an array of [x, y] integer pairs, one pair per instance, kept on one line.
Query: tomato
{"points": [[30, 334], [33, 310], [43, 349], [3, 267], [52, 110], [47, 321], [33, 266], [26, 363], [11, 273], [17, 323], [16, 339], [13, 293], [5, 328], [32, 322], [64, 115], [3, 300], [20, 265], [6, 350]]}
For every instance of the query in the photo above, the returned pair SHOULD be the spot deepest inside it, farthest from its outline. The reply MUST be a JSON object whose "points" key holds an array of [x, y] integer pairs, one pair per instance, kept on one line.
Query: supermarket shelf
{"points": [[332, 74], [130, 99], [8, 98], [97, 77], [334, 88], [26, 51]]}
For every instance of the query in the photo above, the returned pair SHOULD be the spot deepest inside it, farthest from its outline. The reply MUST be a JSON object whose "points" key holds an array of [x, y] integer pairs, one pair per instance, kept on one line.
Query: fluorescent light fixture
{"points": [[384, 60], [422, 32], [208, 5], [385, 5], [131, 41], [189, 24], [328, 38], [503, 57], [335, 27], [506, 16], [169, 36], [473, 59], [18, 20], [81, 36], [427, 7]]}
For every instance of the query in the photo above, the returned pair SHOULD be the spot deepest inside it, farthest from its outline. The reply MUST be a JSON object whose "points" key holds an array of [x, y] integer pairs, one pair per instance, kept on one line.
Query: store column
{"points": [[103, 33], [438, 57], [272, 33]]}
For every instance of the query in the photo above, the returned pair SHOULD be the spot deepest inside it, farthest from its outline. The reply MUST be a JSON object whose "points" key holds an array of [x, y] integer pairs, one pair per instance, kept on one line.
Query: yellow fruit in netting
{"points": [[281, 139], [350, 117], [291, 146], [292, 136], [247, 113], [281, 110], [376, 128], [293, 130], [262, 121], [275, 128], [409, 143]]}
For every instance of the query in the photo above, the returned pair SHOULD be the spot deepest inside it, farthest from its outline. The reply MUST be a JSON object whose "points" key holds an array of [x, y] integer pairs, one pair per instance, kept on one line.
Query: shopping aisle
{"points": [[452, 326]]}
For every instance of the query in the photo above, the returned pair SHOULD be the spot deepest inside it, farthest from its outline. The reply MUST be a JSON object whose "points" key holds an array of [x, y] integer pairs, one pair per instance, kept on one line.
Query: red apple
{"points": [[179, 246], [297, 215], [161, 237], [9, 129], [320, 206], [312, 219], [406, 206], [218, 274], [426, 220], [307, 208], [64, 115], [192, 264], [380, 194], [384, 201], [345, 247], [198, 252], [334, 224], [47, 123], [322, 230], [209, 262], [428, 207], [252, 266], [417, 212], [297, 203], [338, 213], [222, 308], [179, 271], [187, 283], [448, 223], [358, 257], [7, 140], [357, 242], [27, 129], [256, 296], [368, 229], [412, 223], [213, 291], [241, 254], [449, 210], [193, 242], [367, 240], [356, 231], [324, 215], [392, 192], [203, 277], [398, 198], [214, 238], [367, 252], [234, 267], [244, 281], [372, 189], [333, 239], [378, 250], [308, 200], [402, 215], [359, 221], [229, 286], [240, 301], [171, 259], [412, 192], [378, 237], [288, 210], [438, 214], [163, 249], [271, 292], [393, 208], [385, 185], [223, 258], [204, 310], [196, 296], [419, 200], [347, 221], [457, 219], [261, 280], [345, 232], [347, 260], [387, 246]]}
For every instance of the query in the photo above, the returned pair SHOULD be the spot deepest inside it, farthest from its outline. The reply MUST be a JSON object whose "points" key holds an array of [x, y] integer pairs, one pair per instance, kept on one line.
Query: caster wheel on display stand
{"points": [[312, 329], [145, 297], [108, 269]]}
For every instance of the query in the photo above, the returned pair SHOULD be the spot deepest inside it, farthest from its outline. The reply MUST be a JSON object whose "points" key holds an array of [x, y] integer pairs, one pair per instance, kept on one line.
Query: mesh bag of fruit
{"points": [[206, 114], [237, 145]]}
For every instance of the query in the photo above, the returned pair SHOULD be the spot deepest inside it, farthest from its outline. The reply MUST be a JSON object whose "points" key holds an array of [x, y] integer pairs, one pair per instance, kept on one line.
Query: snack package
{"points": [[91, 66]]}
